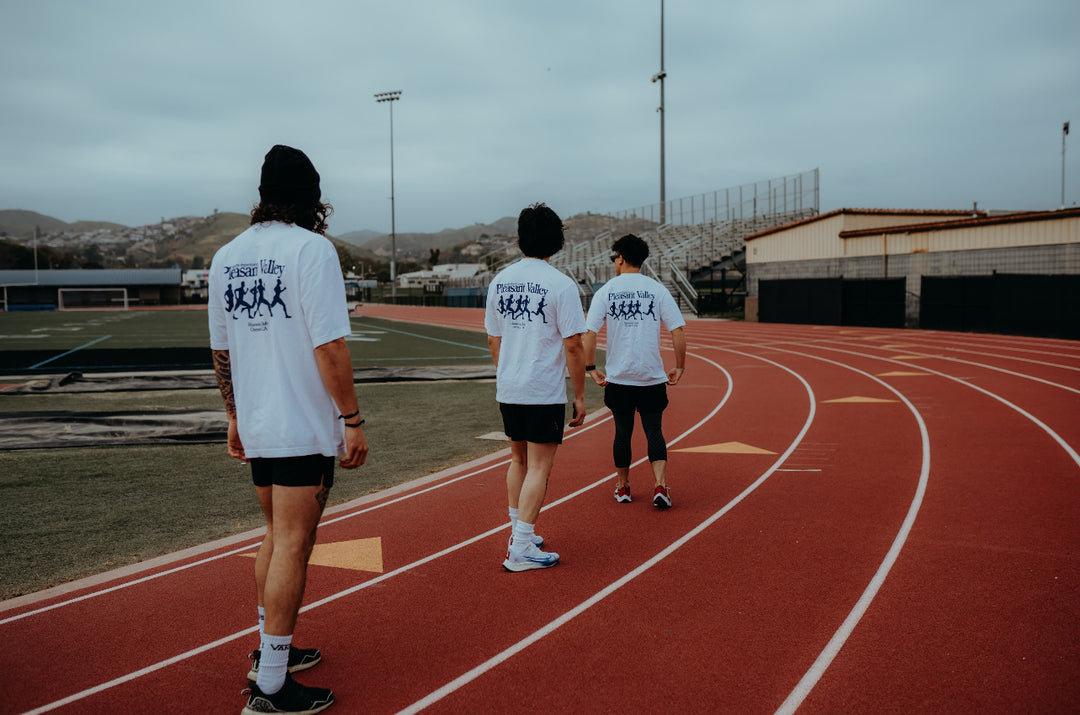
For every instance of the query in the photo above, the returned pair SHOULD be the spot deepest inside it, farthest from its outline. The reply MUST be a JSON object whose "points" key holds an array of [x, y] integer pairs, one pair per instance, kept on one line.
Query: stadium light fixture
{"points": [[390, 98]]}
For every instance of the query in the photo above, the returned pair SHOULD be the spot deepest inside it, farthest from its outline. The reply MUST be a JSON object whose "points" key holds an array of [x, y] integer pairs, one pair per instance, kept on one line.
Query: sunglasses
{"points": [[614, 257]]}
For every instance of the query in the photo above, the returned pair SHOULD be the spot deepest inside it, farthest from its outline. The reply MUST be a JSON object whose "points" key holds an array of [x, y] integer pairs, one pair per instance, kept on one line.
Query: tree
{"points": [[433, 257]]}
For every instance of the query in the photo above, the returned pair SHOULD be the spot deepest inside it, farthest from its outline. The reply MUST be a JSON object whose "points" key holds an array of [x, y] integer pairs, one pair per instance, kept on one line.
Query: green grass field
{"points": [[69, 513]]}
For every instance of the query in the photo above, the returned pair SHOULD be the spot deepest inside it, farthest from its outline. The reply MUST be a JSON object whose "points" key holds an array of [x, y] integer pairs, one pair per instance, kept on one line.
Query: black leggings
{"points": [[624, 428]]}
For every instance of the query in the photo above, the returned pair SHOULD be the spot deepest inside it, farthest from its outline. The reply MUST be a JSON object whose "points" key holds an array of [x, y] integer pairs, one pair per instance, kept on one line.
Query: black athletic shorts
{"points": [[308, 471], [628, 398], [541, 424]]}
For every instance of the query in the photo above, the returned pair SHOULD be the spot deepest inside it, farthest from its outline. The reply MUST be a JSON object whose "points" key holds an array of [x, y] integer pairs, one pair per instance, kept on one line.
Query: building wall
{"points": [[820, 238], [1061, 259]]}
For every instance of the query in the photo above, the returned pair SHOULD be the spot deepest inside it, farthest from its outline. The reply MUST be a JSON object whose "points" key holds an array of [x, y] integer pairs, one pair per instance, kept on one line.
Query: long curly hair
{"points": [[310, 216]]}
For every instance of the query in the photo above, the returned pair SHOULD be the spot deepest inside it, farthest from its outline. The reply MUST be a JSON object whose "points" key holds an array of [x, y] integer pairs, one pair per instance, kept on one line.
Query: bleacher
{"points": [[708, 234]]}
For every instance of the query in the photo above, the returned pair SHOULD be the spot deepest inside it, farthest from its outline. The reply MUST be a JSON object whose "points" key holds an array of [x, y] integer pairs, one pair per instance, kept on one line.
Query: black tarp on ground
{"points": [[76, 382], [43, 430], [52, 429]]}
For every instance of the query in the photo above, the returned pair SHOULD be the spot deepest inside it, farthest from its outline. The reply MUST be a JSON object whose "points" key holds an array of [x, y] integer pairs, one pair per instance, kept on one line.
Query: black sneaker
{"points": [[299, 659], [292, 698]]}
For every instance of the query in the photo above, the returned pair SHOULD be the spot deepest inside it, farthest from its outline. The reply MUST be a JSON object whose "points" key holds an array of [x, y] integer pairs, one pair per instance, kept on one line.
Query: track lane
{"points": [[990, 534], [390, 657]]}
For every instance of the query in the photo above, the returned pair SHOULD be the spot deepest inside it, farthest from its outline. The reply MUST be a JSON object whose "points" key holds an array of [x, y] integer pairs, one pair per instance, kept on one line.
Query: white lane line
{"points": [[825, 658], [1042, 425], [253, 544], [812, 676], [366, 584], [921, 367], [599, 596]]}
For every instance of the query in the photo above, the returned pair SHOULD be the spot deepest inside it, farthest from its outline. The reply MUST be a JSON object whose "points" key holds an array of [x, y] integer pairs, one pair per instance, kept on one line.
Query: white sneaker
{"points": [[530, 558]]}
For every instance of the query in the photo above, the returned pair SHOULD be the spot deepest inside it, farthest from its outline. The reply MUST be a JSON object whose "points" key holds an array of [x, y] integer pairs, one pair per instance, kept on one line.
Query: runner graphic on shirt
{"points": [[238, 300], [627, 310], [259, 291], [278, 290], [540, 309]]}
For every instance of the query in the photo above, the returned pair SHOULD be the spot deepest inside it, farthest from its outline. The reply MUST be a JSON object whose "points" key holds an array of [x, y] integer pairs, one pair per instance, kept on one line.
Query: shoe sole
{"points": [[622, 500], [660, 503], [526, 565], [311, 711]]}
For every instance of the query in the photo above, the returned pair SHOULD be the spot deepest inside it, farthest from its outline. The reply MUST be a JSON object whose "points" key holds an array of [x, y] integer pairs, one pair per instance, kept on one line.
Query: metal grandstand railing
{"points": [[787, 194], [702, 231]]}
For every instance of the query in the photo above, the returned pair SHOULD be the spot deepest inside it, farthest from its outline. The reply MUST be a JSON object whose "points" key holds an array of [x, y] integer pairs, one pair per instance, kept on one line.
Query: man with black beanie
{"points": [[285, 375]]}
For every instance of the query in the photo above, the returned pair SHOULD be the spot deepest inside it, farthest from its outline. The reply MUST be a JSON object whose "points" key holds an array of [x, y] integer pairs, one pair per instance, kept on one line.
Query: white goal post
{"points": [[98, 298]]}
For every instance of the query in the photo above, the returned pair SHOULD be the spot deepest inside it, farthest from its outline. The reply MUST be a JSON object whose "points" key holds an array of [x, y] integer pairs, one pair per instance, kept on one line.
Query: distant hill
{"points": [[359, 238], [185, 239], [18, 223], [418, 244]]}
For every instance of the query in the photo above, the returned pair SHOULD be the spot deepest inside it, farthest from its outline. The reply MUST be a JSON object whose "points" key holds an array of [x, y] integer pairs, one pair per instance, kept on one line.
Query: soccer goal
{"points": [[98, 298]]}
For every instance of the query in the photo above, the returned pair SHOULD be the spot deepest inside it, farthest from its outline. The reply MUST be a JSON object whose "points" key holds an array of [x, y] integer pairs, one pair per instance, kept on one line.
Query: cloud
{"points": [[130, 111]]}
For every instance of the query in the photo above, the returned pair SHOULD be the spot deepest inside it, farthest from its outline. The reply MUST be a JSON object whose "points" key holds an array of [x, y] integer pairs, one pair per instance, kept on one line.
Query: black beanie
{"points": [[288, 177]]}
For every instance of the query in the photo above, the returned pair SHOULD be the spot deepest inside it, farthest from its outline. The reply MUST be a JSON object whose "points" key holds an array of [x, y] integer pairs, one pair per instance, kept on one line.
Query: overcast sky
{"points": [[134, 111]]}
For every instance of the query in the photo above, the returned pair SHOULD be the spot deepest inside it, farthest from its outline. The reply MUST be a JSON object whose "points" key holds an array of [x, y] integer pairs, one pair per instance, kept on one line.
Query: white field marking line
{"points": [[599, 596], [249, 546], [825, 658], [923, 368], [437, 340], [73, 350], [359, 587]]}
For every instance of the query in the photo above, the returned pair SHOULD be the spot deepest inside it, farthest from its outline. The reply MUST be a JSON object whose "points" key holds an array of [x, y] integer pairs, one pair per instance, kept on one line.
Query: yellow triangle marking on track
{"points": [[858, 399], [726, 448], [901, 373], [357, 555]]}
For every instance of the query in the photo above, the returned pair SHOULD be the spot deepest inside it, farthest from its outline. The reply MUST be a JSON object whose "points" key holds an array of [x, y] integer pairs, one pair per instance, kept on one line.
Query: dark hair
{"points": [[633, 249], [311, 216], [540, 231]]}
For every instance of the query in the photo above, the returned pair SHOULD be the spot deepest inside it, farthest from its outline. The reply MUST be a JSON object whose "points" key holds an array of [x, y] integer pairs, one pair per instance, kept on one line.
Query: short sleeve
{"points": [[322, 291], [597, 310]]}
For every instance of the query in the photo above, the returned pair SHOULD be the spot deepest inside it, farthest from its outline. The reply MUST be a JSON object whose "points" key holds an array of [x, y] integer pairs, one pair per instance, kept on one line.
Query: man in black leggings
{"points": [[635, 380]]}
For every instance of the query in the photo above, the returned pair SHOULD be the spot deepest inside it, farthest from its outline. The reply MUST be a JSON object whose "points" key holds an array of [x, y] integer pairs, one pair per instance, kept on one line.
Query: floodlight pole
{"points": [[1064, 133], [659, 77], [391, 97]]}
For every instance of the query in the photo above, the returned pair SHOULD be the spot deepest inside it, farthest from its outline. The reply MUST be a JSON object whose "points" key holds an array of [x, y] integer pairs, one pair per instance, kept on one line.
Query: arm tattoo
{"points": [[223, 370]]}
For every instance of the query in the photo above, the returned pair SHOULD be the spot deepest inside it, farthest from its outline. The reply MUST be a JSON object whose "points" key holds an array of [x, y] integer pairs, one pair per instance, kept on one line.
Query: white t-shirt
{"points": [[276, 293], [634, 306], [532, 307]]}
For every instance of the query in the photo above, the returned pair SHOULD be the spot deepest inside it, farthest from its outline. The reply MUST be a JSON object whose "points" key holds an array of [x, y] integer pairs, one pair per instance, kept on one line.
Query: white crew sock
{"points": [[513, 517], [523, 534], [273, 663]]}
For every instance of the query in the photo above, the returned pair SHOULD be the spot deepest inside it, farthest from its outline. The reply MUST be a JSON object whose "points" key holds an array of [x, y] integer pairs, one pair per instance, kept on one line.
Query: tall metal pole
{"points": [[1064, 133], [391, 97], [659, 77]]}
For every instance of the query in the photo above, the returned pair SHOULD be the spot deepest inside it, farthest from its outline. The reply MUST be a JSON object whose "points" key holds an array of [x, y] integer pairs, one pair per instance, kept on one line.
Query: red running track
{"points": [[867, 521]]}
